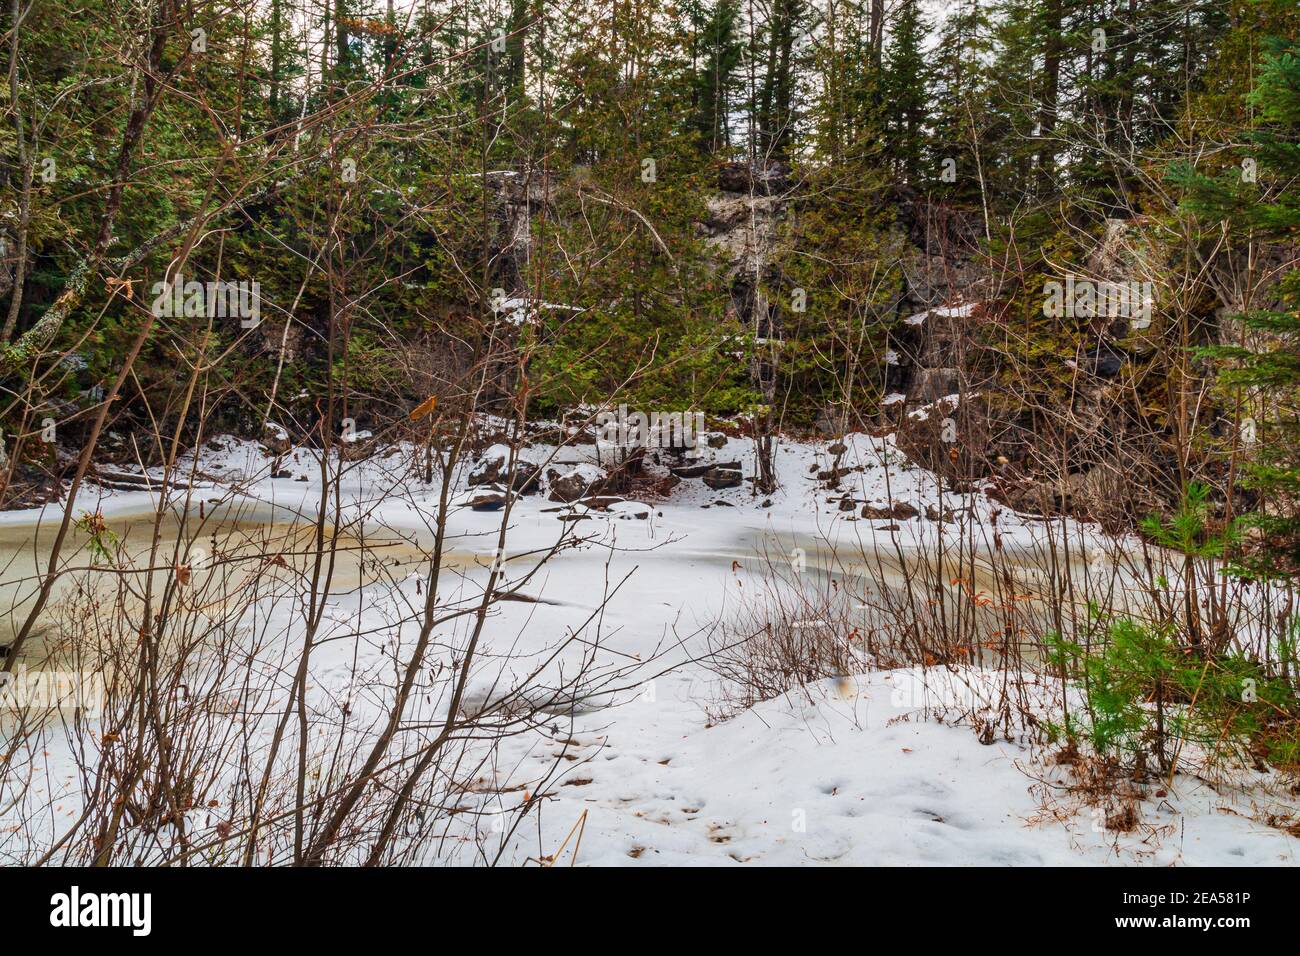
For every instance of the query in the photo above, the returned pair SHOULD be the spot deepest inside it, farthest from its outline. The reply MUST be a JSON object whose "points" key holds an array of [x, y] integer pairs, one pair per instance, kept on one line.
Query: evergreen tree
{"points": [[905, 88], [1015, 102], [774, 111], [1259, 199], [716, 51], [648, 325], [963, 134], [844, 120]]}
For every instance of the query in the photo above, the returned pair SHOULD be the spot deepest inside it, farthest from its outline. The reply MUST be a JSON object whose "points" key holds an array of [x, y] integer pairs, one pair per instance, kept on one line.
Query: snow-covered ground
{"points": [[848, 771]]}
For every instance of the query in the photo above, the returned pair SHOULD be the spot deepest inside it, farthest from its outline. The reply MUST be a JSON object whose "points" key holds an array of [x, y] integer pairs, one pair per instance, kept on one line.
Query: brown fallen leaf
{"points": [[424, 408]]}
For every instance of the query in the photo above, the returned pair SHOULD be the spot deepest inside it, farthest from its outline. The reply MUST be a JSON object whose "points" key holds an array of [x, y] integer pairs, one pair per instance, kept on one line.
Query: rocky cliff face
{"points": [[1093, 453], [1048, 447], [946, 286], [746, 227], [1089, 456]]}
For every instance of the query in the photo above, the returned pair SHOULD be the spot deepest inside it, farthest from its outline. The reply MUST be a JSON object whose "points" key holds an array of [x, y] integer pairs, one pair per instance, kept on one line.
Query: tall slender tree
{"points": [[905, 84]]}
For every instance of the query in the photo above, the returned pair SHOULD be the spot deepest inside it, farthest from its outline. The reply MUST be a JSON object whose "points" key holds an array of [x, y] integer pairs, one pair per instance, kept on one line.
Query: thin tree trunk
{"points": [[25, 160], [1051, 85]]}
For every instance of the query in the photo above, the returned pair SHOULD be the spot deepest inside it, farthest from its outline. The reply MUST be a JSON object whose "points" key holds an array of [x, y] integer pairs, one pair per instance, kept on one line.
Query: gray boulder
{"points": [[574, 483], [720, 478]]}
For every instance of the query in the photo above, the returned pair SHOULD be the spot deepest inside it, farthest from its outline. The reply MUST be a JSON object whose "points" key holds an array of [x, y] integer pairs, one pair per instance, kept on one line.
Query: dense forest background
{"points": [[725, 205]]}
